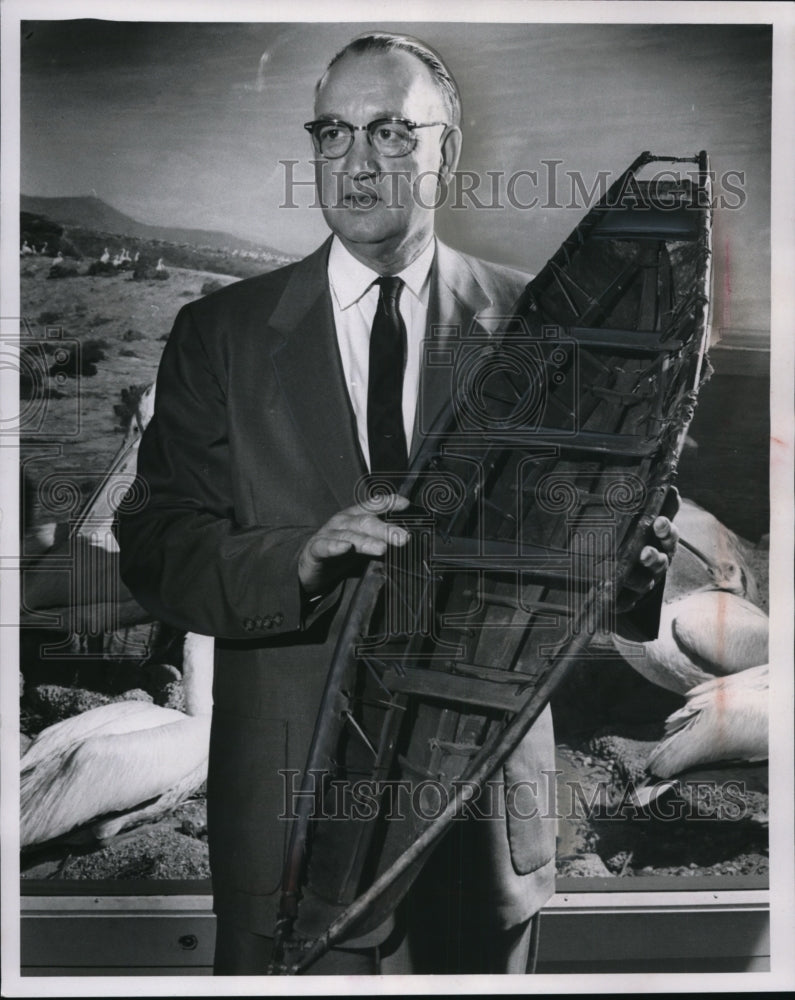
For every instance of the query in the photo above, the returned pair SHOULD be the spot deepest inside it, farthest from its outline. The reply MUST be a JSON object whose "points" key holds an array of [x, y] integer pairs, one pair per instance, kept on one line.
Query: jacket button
{"points": [[278, 618]]}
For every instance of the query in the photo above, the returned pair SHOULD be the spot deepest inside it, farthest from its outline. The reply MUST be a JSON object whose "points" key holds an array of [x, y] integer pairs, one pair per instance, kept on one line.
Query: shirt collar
{"points": [[350, 279]]}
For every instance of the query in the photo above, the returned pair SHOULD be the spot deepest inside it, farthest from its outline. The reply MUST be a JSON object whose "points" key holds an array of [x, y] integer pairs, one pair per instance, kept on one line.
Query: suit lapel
{"points": [[310, 373], [455, 307]]}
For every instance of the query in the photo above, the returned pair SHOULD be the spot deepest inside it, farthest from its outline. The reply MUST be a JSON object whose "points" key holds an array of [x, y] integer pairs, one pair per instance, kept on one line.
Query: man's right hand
{"points": [[357, 530]]}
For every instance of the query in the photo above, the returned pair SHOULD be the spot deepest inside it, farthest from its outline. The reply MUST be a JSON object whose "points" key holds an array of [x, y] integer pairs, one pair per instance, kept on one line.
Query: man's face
{"points": [[374, 203]]}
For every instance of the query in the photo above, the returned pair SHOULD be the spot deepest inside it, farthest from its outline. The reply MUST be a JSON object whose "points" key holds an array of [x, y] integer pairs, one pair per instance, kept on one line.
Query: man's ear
{"points": [[451, 151]]}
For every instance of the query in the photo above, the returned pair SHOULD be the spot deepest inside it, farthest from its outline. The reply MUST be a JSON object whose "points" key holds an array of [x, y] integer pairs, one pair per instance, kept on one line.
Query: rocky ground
{"points": [[714, 823], [174, 848]]}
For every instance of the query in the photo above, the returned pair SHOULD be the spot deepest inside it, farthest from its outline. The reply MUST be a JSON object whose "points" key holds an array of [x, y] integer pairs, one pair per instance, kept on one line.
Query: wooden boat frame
{"points": [[531, 499]]}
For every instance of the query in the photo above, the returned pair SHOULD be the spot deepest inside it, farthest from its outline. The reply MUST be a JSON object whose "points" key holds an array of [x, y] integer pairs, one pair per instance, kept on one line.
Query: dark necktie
{"points": [[385, 434]]}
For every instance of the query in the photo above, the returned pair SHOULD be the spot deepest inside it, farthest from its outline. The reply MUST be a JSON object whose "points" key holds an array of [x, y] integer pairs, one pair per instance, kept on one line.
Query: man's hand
{"points": [[654, 560], [357, 530]]}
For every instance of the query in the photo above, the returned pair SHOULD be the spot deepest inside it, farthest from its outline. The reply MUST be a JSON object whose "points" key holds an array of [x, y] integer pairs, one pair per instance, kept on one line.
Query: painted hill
{"points": [[92, 213], [84, 227]]}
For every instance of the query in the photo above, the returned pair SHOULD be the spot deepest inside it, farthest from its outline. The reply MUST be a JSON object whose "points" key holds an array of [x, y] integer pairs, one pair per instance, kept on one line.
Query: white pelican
{"points": [[724, 719], [709, 554], [706, 633], [121, 764], [93, 594], [105, 256], [708, 626], [160, 266]]}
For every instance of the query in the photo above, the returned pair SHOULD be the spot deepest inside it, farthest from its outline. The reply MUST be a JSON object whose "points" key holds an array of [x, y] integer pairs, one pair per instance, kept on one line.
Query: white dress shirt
{"points": [[354, 297]]}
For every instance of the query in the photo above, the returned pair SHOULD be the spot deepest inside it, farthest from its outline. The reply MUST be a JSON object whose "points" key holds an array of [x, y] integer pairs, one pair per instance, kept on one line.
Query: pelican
{"points": [[93, 594], [161, 271], [105, 256], [708, 625], [723, 575], [118, 765], [724, 719], [709, 555], [701, 635]]}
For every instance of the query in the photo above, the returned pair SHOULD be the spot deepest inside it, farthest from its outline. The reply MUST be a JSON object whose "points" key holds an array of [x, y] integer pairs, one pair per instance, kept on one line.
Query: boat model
{"points": [[531, 499]]}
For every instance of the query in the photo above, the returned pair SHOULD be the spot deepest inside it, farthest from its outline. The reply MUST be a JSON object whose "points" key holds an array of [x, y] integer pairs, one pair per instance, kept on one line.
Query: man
{"points": [[270, 409]]}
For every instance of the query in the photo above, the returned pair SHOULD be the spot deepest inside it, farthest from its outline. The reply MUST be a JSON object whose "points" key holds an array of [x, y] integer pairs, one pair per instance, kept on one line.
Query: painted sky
{"points": [[185, 124]]}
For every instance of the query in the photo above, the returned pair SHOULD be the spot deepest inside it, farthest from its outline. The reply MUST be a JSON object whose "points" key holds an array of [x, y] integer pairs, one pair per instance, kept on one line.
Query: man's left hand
{"points": [[654, 559]]}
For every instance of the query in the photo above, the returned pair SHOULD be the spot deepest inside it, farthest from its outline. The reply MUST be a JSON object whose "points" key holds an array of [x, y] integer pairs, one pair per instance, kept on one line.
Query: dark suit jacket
{"points": [[252, 447]]}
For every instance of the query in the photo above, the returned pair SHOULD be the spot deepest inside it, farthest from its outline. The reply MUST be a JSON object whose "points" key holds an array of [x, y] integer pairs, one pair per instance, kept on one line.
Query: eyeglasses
{"points": [[388, 136]]}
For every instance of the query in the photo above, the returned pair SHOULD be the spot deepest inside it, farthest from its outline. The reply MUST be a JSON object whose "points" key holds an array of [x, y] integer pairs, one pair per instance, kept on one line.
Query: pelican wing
{"points": [[722, 632], [118, 717], [662, 661], [108, 773], [725, 719], [751, 682]]}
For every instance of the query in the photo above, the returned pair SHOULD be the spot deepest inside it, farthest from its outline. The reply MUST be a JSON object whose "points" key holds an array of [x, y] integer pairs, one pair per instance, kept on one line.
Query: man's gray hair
{"points": [[383, 41]]}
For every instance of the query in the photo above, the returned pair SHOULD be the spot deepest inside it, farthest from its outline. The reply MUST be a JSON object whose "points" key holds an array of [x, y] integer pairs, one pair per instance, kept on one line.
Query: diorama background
{"points": [[184, 124], [199, 126]]}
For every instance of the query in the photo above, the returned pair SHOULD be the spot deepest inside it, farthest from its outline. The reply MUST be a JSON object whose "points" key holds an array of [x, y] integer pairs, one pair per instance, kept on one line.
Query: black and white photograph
{"points": [[396, 525]]}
